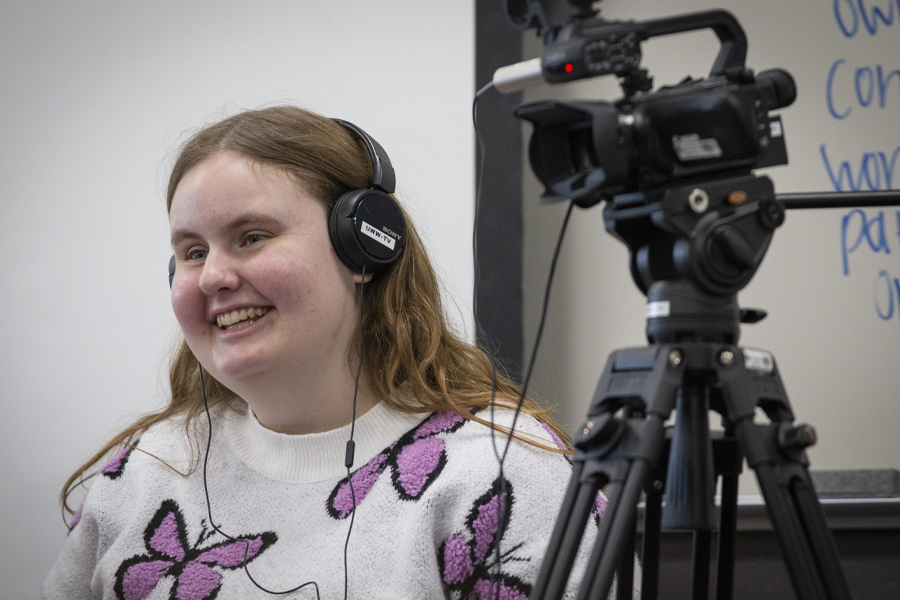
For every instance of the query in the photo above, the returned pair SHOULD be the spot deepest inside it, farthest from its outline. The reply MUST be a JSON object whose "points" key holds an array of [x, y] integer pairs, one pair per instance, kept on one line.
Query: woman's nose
{"points": [[219, 274]]}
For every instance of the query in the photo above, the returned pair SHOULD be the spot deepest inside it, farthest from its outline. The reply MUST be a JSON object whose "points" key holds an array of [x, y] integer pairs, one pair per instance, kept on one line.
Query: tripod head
{"points": [[692, 248], [713, 233]]}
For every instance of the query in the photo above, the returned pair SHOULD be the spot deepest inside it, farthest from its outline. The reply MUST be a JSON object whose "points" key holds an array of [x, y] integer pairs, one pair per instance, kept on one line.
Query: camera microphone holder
{"points": [[693, 247]]}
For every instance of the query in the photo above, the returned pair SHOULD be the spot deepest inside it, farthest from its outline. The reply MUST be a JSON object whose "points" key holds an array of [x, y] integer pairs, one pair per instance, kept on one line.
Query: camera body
{"points": [[592, 151]]}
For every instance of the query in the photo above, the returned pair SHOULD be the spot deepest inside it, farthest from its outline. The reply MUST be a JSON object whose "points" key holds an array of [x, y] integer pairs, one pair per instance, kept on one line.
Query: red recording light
{"points": [[569, 68]]}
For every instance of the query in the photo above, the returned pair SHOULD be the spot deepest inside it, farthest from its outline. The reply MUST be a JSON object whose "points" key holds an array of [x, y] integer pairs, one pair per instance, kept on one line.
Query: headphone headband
{"points": [[383, 177]]}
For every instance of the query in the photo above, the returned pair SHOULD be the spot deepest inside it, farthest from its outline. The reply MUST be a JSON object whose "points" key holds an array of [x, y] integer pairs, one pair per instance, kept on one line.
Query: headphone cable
{"points": [[209, 506], [351, 445], [348, 463]]}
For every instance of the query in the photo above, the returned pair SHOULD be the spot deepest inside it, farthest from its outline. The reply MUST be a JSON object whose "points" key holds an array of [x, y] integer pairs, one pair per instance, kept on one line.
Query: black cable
{"points": [[351, 446], [501, 458], [348, 462], [479, 330], [540, 330], [489, 346], [537, 341], [209, 506]]}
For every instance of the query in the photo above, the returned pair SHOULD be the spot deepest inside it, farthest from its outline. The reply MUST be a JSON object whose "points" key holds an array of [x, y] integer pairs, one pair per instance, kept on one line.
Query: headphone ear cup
{"points": [[367, 229], [171, 270]]}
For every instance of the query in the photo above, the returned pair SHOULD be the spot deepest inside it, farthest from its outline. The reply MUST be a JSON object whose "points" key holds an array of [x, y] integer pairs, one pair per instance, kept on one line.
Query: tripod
{"points": [[691, 258]]}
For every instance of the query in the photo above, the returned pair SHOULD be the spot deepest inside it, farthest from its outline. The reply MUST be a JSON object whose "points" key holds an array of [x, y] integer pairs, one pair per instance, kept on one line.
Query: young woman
{"points": [[285, 339]]}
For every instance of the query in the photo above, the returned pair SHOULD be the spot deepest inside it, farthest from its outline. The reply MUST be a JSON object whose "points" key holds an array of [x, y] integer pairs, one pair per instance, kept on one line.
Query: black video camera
{"points": [[691, 132]]}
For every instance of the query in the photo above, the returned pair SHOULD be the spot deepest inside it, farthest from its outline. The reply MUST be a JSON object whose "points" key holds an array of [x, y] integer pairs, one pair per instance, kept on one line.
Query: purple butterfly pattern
{"points": [[195, 569], [116, 466], [415, 461], [76, 518], [467, 559]]}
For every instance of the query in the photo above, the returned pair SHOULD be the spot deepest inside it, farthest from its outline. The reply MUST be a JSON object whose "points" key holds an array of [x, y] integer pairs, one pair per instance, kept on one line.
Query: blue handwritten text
{"points": [[872, 86], [849, 14], [859, 227], [876, 171], [887, 295]]}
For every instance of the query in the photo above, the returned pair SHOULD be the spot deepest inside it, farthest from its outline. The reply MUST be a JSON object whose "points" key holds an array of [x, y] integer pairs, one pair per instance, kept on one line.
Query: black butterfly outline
{"points": [[465, 557], [420, 443], [116, 465], [170, 555]]}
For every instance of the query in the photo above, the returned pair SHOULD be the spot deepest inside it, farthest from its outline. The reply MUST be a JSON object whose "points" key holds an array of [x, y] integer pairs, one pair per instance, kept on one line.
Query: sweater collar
{"points": [[315, 456]]}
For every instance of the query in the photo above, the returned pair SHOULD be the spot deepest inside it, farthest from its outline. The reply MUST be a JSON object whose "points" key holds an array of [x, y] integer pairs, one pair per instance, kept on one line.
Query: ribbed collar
{"points": [[315, 456]]}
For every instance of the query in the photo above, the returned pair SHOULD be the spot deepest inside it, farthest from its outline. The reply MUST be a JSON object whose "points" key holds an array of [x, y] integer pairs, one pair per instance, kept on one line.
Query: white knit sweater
{"points": [[426, 493]]}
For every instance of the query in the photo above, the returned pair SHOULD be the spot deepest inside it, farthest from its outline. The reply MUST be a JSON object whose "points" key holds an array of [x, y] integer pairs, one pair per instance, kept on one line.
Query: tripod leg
{"points": [[560, 555], [610, 548], [625, 572], [651, 546], [776, 453], [581, 512], [797, 519], [559, 530], [823, 545], [797, 553], [620, 451], [700, 568], [728, 464], [727, 531]]}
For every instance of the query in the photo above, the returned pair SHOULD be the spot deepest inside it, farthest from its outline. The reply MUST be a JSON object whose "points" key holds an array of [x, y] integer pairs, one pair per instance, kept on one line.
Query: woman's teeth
{"points": [[237, 319]]}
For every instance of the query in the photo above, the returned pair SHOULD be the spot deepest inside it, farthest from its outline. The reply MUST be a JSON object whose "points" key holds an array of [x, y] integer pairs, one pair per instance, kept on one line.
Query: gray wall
{"points": [[838, 357], [95, 96]]}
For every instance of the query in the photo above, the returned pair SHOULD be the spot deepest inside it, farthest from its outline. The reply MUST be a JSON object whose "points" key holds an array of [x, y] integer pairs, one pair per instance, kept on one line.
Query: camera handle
{"points": [[593, 46], [624, 440]]}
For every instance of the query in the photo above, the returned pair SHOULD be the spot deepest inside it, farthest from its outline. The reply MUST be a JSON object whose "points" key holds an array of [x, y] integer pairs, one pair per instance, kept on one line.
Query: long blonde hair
{"points": [[414, 361]]}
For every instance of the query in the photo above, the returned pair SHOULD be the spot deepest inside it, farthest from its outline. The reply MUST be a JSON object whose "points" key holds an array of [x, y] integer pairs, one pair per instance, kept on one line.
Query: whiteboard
{"points": [[830, 279]]}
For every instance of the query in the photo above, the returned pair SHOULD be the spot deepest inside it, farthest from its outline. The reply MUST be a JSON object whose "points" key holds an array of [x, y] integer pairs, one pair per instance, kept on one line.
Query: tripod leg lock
{"points": [[792, 438], [604, 430]]}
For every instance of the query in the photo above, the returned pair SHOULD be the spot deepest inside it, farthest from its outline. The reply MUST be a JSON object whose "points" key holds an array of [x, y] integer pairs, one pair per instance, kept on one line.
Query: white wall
{"points": [[95, 95], [838, 357]]}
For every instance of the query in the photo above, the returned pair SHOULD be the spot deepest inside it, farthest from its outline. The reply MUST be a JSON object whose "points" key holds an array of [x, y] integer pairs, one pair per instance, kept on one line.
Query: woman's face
{"points": [[258, 290]]}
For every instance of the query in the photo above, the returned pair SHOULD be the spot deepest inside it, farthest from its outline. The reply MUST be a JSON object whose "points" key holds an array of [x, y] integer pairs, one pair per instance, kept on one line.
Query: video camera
{"points": [[592, 151]]}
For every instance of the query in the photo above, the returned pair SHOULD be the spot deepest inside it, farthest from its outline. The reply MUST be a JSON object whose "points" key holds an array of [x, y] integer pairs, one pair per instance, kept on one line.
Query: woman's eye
{"points": [[195, 254], [254, 238]]}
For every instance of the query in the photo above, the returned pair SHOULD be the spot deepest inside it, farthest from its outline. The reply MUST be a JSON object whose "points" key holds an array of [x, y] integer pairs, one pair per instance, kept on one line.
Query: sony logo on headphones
{"points": [[390, 233]]}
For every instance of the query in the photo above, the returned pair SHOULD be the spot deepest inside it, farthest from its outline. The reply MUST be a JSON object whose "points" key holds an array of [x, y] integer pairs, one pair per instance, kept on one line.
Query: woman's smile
{"points": [[238, 319]]}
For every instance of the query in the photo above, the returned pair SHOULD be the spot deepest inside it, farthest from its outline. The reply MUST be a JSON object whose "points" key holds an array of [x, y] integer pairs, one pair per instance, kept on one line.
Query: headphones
{"points": [[366, 226]]}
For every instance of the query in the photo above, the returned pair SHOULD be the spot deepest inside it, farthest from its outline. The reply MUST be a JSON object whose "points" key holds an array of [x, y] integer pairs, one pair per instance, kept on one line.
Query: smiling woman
{"points": [[289, 352]]}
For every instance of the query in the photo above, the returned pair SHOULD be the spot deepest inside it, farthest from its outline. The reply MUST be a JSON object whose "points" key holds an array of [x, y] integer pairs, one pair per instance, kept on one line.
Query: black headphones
{"points": [[366, 226]]}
